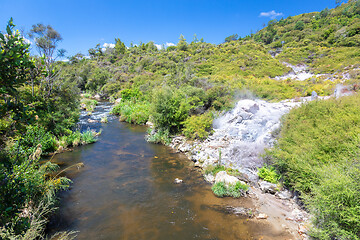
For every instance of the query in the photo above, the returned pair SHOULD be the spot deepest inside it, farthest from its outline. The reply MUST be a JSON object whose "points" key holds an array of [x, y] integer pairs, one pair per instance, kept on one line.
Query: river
{"points": [[126, 190]]}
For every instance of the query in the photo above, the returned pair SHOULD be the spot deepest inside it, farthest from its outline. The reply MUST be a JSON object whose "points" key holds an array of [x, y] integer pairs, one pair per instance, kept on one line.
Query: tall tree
{"points": [[46, 40]]}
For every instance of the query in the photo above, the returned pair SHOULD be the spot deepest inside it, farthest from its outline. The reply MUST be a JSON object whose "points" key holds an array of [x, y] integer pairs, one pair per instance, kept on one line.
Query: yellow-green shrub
{"points": [[198, 126]]}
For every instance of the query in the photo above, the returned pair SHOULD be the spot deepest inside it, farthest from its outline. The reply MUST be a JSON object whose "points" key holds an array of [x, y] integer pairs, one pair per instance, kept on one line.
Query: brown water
{"points": [[126, 190]]}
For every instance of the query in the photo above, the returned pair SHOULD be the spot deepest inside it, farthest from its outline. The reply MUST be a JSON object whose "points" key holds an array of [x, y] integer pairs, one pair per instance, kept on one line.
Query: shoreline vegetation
{"points": [[181, 90]]}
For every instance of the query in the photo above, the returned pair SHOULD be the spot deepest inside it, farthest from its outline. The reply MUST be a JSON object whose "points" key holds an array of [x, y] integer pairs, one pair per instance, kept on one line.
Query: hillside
{"points": [[327, 41]]}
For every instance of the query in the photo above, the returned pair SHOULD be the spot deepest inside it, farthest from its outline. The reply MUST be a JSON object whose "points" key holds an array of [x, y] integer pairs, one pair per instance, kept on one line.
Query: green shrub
{"points": [[198, 126], [129, 94], [88, 136], [132, 112], [219, 189], [169, 109], [35, 135], [159, 136], [268, 173], [233, 190]]}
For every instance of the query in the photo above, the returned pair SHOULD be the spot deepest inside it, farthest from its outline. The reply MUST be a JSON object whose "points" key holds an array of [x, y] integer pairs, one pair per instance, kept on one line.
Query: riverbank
{"points": [[240, 137]]}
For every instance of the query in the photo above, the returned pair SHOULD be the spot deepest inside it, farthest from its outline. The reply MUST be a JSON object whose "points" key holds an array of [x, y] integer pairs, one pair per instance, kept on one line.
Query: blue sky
{"points": [[83, 24]]}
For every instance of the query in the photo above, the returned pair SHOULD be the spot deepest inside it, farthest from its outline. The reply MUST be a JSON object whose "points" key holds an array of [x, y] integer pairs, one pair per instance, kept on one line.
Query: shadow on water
{"points": [[126, 190]]}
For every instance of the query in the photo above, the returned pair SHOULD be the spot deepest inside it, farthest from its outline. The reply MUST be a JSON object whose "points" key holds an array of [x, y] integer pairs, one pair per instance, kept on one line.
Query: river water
{"points": [[126, 190]]}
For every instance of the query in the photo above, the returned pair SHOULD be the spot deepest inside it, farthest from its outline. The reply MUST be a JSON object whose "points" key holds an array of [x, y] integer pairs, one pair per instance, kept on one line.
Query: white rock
{"points": [[178, 180], [209, 178], [262, 216], [222, 176]]}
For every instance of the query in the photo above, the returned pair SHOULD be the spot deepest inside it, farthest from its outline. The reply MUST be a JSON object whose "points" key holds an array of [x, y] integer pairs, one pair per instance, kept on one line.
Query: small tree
{"points": [[120, 47], [182, 44], [233, 37]]}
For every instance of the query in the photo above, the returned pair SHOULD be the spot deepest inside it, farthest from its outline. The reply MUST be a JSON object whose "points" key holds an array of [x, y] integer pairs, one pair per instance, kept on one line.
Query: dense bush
{"points": [[169, 109], [198, 126], [318, 155]]}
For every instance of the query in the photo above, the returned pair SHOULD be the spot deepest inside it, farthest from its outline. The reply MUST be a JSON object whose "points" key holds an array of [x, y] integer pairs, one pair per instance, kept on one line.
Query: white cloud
{"points": [[169, 44], [158, 46], [27, 41], [272, 14], [108, 45]]}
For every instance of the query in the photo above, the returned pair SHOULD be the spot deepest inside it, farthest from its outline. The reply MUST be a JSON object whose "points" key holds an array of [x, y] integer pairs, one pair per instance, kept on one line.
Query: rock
{"points": [[302, 229], [117, 101], [297, 215], [314, 95], [285, 195], [262, 216], [241, 211], [92, 121], [97, 96], [209, 178], [222, 176], [149, 124], [254, 108], [268, 187], [178, 181]]}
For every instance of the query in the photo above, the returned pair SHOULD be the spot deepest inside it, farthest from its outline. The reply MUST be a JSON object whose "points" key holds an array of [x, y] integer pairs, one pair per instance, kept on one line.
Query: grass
{"points": [[233, 190], [214, 169]]}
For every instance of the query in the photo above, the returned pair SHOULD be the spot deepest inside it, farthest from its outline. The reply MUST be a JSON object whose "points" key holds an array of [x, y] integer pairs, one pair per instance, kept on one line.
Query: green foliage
{"points": [[300, 25], [214, 169], [198, 126], [318, 155], [25, 185], [268, 173], [130, 94], [120, 47], [38, 135], [88, 136], [233, 37], [89, 104], [15, 61], [233, 190], [219, 189], [132, 112], [169, 109], [159, 136]]}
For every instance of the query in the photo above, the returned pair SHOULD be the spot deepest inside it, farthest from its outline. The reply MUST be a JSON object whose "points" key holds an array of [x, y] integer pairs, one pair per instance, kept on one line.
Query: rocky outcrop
{"points": [[240, 136]]}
